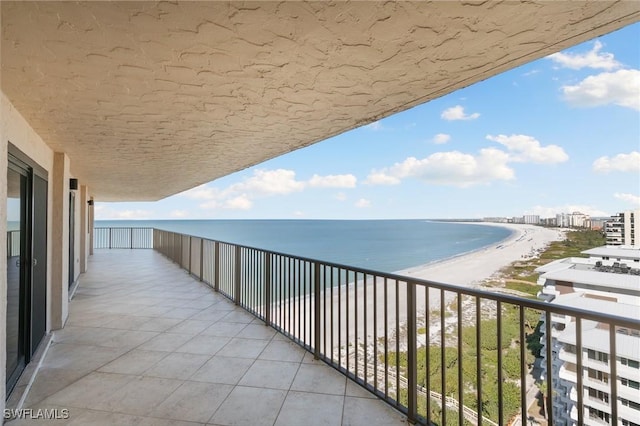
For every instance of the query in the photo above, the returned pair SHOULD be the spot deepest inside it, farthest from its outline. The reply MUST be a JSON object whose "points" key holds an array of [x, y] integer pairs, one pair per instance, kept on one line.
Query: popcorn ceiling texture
{"points": [[149, 99]]}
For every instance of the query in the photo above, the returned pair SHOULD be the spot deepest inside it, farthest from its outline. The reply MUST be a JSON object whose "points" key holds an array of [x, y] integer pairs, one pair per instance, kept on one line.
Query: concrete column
{"points": [[84, 228], [59, 299], [91, 225]]}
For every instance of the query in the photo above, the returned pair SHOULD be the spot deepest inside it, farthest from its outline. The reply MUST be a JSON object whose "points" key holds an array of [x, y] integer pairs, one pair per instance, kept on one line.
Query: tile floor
{"points": [[146, 344]]}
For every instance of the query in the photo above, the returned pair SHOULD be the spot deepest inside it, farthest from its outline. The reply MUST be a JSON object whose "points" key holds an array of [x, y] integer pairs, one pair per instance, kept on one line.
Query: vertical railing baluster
{"points": [[549, 375], [479, 358], [216, 267], [316, 310], [130, 238], [201, 259], [267, 289], [579, 370], [499, 349], [412, 369], [460, 386], [613, 377], [236, 276], [443, 361], [523, 379], [110, 238]]}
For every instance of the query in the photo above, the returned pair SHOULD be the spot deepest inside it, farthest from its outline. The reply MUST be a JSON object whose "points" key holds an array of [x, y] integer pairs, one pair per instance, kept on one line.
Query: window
{"points": [[630, 363], [602, 396], [628, 423], [630, 404], [598, 356], [597, 414], [598, 375], [630, 383]]}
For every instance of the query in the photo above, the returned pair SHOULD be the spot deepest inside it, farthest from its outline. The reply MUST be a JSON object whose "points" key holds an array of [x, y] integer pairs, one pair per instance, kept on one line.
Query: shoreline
{"points": [[473, 267]]}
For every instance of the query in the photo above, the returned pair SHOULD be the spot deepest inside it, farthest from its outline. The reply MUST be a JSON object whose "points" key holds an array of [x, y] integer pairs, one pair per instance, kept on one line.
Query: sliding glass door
{"points": [[17, 207], [26, 325]]}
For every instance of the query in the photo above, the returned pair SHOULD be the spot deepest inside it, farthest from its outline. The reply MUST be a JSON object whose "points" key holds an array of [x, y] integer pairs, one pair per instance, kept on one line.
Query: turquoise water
{"points": [[382, 245]]}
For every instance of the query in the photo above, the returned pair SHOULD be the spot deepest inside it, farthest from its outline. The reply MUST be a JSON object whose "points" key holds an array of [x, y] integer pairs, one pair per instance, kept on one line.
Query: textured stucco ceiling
{"points": [[149, 99]]}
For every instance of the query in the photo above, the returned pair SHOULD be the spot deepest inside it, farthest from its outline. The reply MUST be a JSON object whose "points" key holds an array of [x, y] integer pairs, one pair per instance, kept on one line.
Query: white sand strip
{"points": [[466, 270]]}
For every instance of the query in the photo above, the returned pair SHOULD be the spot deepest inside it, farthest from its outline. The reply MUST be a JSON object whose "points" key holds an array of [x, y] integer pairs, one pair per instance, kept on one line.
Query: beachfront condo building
{"points": [[622, 229], [606, 282]]}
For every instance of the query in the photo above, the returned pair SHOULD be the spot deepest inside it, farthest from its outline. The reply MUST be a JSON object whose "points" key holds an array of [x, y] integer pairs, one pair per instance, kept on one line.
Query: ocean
{"points": [[382, 245]]}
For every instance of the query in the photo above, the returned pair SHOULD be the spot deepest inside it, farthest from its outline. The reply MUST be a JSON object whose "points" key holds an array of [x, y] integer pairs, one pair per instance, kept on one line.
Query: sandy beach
{"points": [[472, 268], [356, 305]]}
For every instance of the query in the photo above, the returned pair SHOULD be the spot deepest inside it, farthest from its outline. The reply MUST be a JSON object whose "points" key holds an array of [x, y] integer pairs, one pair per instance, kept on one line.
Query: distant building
{"points": [[573, 220], [622, 229], [531, 219], [495, 219], [608, 281], [597, 224]]}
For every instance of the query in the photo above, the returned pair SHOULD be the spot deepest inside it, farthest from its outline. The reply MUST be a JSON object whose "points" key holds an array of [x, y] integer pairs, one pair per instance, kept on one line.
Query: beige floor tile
{"points": [[193, 401], [257, 331], [243, 348], [166, 342], [190, 326], [310, 409], [270, 374], [370, 412], [134, 362], [279, 350], [224, 329], [250, 406], [206, 345], [222, 370], [177, 366], [320, 379]]}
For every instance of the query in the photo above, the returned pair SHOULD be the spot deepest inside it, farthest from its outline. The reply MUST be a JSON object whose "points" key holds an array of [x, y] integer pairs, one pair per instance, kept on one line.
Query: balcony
{"points": [[228, 334], [147, 344]]}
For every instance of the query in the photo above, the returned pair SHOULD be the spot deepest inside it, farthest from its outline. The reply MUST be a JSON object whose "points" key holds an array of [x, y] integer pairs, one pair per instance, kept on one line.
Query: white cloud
{"points": [[341, 196], [523, 148], [450, 168], [241, 202], [179, 213], [381, 178], [363, 203], [333, 181], [441, 138], [269, 182], [621, 88], [376, 125], [567, 208], [620, 163], [457, 113], [530, 73], [591, 59], [202, 192], [298, 213], [124, 214], [629, 198]]}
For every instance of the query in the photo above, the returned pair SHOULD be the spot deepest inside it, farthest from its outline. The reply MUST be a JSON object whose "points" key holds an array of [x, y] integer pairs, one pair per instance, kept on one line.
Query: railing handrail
{"points": [[485, 294]]}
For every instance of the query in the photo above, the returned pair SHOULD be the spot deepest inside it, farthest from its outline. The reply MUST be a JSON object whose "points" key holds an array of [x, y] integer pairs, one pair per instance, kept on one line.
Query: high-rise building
{"points": [[607, 282], [621, 229]]}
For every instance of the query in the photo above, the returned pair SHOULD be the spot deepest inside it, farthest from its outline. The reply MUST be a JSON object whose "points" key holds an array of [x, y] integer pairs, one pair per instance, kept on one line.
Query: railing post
{"points": [[190, 244], [316, 310], [412, 370], [267, 289], [236, 275], [110, 229], [130, 238], [216, 266], [201, 257]]}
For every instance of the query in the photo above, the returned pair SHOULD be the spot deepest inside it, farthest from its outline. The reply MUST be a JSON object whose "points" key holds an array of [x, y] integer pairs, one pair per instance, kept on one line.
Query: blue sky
{"points": [[560, 134]]}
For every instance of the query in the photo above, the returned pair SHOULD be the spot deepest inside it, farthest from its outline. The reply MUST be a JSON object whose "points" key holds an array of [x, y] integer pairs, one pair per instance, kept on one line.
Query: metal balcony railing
{"points": [[123, 238], [406, 340]]}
